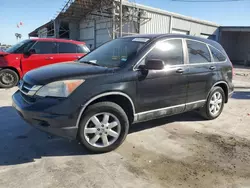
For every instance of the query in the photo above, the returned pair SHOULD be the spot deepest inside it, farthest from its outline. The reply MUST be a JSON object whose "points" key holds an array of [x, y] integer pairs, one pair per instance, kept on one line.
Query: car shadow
{"points": [[21, 143], [241, 95]]}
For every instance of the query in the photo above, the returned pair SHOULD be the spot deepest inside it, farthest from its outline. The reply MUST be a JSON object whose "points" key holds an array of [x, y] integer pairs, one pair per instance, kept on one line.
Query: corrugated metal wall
{"points": [[103, 31], [74, 31], [95, 31], [194, 28], [161, 23], [158, 24], [237, 45]]}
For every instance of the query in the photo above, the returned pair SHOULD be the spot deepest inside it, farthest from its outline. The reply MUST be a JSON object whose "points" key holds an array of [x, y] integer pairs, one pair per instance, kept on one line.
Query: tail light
{"points": [[233, 74]]}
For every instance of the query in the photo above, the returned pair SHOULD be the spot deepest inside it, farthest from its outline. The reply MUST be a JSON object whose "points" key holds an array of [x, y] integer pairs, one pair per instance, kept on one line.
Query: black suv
{"points": [[127, 80]]}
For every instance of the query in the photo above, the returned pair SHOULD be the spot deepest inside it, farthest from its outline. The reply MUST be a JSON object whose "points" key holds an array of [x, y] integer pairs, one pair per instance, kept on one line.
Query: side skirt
{"points": [[168, 111]]}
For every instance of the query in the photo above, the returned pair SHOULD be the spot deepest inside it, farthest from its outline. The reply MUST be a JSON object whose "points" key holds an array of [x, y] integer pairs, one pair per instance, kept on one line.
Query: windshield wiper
{"points": [[90, 63]]}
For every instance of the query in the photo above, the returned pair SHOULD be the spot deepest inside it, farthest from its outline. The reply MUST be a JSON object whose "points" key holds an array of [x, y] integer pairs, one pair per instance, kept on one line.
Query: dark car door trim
{"points": [[142, 116]]}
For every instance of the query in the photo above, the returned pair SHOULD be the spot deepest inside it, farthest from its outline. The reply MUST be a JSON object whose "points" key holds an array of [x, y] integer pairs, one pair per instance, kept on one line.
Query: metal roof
{"points": [[34, 33], [78, 9]]}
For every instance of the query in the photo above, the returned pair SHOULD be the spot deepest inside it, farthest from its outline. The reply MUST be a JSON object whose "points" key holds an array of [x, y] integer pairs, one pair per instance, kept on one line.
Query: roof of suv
{"points": [[162, 36], [58, 40], [159, 36]]}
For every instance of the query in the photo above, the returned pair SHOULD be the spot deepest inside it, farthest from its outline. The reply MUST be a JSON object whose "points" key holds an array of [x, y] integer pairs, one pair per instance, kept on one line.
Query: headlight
{"points": [[59, 89]]}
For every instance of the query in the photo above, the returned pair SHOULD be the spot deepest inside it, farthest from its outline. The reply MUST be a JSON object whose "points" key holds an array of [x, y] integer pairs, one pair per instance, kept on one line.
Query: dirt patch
{"points": [[217, 161]]}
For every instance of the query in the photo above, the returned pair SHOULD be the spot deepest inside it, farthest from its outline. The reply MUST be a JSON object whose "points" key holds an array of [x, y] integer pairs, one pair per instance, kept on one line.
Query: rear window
{"points": [[81, 48], [198, 52], [217, 55], [64, 47]]}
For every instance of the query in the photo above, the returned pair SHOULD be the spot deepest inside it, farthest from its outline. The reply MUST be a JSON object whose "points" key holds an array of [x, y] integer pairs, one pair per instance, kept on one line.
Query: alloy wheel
{"points": [[102, 130], [215, 103]]}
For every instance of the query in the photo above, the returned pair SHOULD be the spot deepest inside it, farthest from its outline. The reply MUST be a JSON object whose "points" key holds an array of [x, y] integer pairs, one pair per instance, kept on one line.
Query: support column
{"points": [[120, 18]]}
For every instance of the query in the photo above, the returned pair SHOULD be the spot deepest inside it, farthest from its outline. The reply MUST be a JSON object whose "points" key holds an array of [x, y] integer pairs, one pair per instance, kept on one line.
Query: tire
{"points": [[103, 128], [8, 78], [206, 111]]}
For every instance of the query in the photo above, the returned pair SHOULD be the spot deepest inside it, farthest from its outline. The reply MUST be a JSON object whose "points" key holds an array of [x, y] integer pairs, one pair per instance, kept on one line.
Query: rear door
{"points": [[163, 92], [69, 51], [202, 72], [45, 52]]}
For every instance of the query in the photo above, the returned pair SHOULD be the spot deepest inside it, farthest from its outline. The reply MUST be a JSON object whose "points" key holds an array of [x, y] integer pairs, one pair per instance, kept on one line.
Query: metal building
{"points": [[236, 42], [98, 21]]}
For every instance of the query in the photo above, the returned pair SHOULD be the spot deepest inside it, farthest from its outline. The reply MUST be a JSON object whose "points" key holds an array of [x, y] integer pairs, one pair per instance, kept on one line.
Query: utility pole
{"points": [[120, 18]]}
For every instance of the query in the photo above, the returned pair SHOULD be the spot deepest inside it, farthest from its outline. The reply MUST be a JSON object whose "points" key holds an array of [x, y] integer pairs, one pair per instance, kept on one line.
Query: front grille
{"points": [[28, 89], [28, 99]]}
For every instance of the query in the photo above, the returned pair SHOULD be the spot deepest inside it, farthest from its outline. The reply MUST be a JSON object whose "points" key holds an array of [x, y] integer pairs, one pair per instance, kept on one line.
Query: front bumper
{"points": [[38, 116]]}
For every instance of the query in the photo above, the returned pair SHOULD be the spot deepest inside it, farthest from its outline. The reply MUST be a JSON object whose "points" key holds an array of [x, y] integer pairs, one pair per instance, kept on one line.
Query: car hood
{"points": [[3, 53], [61, 71]]}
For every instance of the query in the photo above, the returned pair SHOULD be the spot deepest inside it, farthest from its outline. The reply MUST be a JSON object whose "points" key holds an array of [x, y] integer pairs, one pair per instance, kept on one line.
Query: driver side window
{"points": [[169, 51], [45, 47]]}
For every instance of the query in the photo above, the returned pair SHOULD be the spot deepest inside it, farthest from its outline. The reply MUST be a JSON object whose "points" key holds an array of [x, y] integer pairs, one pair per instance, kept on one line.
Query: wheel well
{"points": [[12, 68], [225, 89], [122, 101]]}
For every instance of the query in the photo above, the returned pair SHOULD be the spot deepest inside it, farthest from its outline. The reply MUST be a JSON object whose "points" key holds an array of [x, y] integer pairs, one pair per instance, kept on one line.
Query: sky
{"points": [[34, 13]]}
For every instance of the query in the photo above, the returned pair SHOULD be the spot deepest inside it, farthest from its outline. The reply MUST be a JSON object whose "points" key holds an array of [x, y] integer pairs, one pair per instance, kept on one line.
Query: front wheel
{"points": [[103, 127], [214, 105], [8, 78]]}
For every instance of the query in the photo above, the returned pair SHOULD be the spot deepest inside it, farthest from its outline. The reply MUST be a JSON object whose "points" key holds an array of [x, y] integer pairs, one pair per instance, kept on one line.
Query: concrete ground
{"points": [[179, 151]]}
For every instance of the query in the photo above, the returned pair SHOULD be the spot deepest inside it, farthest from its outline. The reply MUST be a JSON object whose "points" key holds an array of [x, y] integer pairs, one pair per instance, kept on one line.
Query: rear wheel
{"points": [[8, 78], [214, 105], [103, 127]]}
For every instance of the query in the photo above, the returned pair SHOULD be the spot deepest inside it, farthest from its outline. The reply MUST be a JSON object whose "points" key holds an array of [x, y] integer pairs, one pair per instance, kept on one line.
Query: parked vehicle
{"points": [[125, 81], [34, 53]]}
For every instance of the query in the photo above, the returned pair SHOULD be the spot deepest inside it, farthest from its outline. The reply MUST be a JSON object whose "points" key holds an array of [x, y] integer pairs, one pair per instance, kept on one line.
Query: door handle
{"points": [[78, 57], [180, 71], [49, 58], [212, 68]]}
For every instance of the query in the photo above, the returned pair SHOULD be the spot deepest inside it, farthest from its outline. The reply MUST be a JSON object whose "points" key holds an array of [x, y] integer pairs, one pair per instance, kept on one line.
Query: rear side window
{"points": [[170, 51], [217, 55], [198, 52], [81, 48], [64, 47], [45, 47]]}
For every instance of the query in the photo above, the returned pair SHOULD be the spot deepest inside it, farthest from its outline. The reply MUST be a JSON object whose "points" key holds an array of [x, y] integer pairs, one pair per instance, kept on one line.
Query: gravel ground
{"points": [[179, 151]]}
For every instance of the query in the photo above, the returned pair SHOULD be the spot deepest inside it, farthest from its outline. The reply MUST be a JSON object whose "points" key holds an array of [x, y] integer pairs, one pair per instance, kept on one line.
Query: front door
{"points": [[163, 92], [44, 54], [202, 73]]}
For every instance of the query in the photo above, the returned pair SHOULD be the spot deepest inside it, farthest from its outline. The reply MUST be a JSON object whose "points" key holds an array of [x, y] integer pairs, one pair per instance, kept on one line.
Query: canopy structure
{"points": [[120, 13]]}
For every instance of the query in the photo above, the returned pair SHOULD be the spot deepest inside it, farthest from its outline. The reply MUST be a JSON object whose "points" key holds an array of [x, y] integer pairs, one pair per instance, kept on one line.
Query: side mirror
{"points": [[30, 52], [154, 64]]}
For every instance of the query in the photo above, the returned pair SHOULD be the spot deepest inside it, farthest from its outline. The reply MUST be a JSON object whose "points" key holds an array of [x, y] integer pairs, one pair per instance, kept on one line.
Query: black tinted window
{"points": [[170, 51], [66, 47], [217, 55], [45, 48], [198, 52], [116, 53]]}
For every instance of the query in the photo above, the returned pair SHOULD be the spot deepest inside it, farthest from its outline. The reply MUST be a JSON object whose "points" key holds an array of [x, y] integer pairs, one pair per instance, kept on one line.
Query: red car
{"points": [[33, 53]]}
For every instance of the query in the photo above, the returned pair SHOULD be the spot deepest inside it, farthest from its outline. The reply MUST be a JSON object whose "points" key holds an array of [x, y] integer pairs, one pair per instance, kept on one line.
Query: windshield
{"points": [[17, 46], [116, 52]]}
